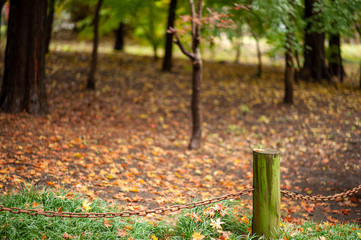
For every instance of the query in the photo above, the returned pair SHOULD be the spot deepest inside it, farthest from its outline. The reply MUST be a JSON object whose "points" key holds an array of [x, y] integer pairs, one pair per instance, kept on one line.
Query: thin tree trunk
{"points": [[196, 58], [259, 55], [238, 50], [196, 138], [2, 3], [93, 63], [289, 71], [49, 24], [298, 69], [196, 102], [119, 37], [335, 59], [167, 61], [155, 51], [23, 87], [360, 76]]}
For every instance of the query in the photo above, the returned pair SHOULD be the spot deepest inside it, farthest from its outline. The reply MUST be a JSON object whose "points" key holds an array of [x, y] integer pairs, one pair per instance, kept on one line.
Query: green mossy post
{"points": [[266, 194]]}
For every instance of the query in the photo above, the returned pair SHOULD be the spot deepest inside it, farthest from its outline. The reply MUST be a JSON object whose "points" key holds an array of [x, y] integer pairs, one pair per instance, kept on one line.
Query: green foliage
{"points": [[150, 21], [336, 16]]}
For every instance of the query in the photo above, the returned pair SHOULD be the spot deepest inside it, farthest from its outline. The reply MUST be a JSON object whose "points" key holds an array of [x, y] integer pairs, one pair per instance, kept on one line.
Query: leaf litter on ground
{"points": [[126, 142]]}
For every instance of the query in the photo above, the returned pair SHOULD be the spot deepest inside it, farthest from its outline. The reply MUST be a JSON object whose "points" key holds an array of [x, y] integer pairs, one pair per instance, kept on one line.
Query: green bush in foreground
{"points": [[218, 221]]}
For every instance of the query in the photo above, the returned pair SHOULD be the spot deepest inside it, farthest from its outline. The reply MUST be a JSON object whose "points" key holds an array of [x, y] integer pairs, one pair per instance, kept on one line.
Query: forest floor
{"points": [[127, 141]]}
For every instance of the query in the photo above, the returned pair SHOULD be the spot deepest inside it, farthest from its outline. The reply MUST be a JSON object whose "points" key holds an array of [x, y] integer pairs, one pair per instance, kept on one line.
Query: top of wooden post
{"points": [[266, 151]]}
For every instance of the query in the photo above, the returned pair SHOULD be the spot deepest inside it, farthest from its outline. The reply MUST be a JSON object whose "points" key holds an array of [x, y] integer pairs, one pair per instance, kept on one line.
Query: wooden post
{"points": [[266, 194]]}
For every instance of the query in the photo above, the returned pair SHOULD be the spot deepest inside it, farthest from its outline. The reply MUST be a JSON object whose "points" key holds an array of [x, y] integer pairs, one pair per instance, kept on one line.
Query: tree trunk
{"points": [[259, 55], [23, 87], [196, 102], [2, 3], [49, 24], [196, 58], [360, 76], [167, 61], [314, 49], [334, 57], [196, 138], [238, 45], [93, 63], [289, 71], [155, 50], [119, 37]]}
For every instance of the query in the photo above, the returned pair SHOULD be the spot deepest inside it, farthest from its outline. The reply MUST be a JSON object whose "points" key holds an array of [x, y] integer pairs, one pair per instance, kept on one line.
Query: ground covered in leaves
{"points": [[127, 141]]}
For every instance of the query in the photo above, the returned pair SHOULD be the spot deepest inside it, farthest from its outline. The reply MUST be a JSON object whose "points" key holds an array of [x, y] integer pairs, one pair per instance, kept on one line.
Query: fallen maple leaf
{"points": [[197, 236], [216, 224], [153, 237], [121, 232], [107, 223], [86, 205], [245, 219], [67, 236], [225, 235]]}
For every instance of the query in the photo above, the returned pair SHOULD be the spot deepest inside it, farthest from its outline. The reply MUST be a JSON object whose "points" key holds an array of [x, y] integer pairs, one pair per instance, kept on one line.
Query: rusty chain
{"points": [[175, 208], [160, 210], [319, 198]]}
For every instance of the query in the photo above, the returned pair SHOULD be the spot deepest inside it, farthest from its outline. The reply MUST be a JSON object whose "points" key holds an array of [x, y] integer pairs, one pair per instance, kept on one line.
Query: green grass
{"points": [[212, 222]]}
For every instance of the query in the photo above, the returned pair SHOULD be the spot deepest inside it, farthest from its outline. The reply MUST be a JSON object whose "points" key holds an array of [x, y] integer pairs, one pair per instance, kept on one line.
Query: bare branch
{"points": [[199, 8], [193, 10], [182, 48], [197, 30]]}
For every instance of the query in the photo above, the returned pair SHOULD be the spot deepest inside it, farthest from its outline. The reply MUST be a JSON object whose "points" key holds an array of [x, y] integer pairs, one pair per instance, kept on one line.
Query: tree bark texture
{"points": [[196, 138], [93, 63], [289, 71], [314, 49], [119, 37], [23, 87], [49, 23], [334, 57], [167, 61], [196, 102]]}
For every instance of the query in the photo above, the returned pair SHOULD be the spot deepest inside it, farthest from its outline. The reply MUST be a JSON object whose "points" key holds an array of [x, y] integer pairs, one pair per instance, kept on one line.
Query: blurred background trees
{"points": [[306, 37]]}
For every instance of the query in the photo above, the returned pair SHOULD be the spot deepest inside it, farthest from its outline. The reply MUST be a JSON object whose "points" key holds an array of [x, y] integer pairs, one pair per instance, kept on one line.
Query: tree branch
{"points": [[199, 9], [193, 15], [182, 48], [199, 16]]}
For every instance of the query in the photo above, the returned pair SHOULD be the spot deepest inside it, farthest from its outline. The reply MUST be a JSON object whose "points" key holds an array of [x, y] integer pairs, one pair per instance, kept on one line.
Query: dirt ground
{"points": [[127, 141]]}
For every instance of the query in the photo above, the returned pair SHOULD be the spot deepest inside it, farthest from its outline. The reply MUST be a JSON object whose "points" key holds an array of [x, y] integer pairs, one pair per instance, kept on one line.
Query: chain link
{"points": [[175, 208], [319, 198], [160, 210]]}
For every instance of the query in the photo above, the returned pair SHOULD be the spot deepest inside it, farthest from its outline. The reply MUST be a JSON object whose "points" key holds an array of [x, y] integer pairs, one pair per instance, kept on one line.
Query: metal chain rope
{"points": [[160, 210], [319, 198], [175, 208]]}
